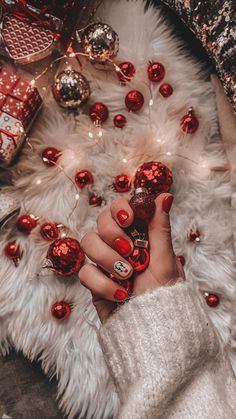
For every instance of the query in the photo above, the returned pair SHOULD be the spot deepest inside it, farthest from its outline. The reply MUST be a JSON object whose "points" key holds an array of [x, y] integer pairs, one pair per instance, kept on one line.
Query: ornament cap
{"points": [[140, 190]]}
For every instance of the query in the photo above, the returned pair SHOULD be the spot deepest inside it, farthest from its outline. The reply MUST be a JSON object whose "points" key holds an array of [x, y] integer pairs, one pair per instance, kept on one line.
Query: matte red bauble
{"points": [[156, 72], [66, 256], [122, 183], [26, 223], [95, 200], [134, 100], [189, 123], [156, 177], [98, 112], [212, 300], [143, 206], [50, 155], [61, 310], [13, 252], [119, 121], [127, 71], [49, 231], [166, 90], [194, 236], [139, 259], [83, 178]]}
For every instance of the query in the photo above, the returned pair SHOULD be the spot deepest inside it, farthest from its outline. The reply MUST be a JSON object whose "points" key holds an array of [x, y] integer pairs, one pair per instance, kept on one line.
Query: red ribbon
{"points": [[22, 12]]}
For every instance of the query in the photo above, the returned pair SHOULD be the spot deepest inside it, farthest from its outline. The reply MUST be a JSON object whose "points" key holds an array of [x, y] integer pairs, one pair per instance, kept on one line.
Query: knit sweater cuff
{"points": [[162, 333]]}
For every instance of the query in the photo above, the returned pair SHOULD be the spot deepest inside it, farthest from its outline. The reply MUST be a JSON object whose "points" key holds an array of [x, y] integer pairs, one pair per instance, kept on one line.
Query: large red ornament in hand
{"points": [[156, 177], [156, 72], [122, 183], [134, 100], [26, 223], [83, 178], [61, 310], [66, 256], [143, 206]]}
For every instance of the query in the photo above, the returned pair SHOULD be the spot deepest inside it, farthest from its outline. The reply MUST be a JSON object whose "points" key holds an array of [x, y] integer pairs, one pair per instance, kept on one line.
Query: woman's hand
{"points": [[110, 246]]}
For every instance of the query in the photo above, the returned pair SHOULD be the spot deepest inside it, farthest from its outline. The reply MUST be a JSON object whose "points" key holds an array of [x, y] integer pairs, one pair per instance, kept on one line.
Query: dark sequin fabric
{"points": [[214, 23]]}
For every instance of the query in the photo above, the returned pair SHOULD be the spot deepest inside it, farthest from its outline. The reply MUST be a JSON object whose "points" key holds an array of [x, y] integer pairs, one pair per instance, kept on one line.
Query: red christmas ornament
{"points": [[143, 206], [66, 256], [189, 123], [122, 183], [166, 90], [98, 113], [134, 100], [83, 178], [61, 310], [13, 252], [119, 121], [127, 71], [181, 258], [156, 72], [212, 300], [26, 223], [49, 231], [50, 155], [156, 177], [194, 236], [95, 200], [139, 259]]}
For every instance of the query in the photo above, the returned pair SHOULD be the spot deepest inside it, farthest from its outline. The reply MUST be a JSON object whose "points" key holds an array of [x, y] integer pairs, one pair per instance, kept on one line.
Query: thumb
{"points": [[159, 228]]}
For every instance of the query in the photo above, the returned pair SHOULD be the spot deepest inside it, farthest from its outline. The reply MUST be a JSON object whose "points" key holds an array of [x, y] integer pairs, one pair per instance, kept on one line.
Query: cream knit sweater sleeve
{"points": [[166, 359]]}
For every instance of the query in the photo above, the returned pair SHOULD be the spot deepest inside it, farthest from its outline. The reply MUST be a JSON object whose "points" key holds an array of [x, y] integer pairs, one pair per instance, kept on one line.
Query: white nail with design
{"points": [[122, 268]]}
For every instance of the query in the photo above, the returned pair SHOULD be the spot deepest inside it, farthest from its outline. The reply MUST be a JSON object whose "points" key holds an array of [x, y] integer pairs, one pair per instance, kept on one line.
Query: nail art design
{"points": [[122, 268], [122, 216], [120, 295]]}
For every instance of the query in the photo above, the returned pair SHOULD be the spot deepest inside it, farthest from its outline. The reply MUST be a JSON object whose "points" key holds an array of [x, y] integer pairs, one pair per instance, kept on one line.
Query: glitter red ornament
{"points": [[26, 223], [12, 251], [61, 310], [119, 121], [122, 183], [83, 178], [50, 155], [166, 90], [194, 236], [156, 72], [212, 300], [66, 256], [189, 123], [156, 177], [126, 71], [98, 113], [134, 100], [95, 200], [139, 259], [143, 206], [49, 231]]}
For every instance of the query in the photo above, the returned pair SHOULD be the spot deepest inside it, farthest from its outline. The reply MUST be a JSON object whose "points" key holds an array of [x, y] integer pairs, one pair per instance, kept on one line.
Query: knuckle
{"points": [[87, 240], [84, 274]]}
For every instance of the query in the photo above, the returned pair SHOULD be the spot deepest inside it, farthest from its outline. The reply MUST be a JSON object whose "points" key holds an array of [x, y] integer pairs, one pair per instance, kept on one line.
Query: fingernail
{"points": [[166, 203], [122, 246], [122, 268], [181, 259], [122, 216], [120, 295]]}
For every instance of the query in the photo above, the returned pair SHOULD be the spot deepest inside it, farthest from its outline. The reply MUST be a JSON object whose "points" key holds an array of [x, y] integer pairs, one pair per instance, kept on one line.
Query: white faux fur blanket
{"points": [[202, 199]]}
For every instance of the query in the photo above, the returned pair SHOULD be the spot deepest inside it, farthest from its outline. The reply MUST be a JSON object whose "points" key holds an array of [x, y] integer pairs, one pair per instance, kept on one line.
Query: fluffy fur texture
{"points": [[70, 350]]}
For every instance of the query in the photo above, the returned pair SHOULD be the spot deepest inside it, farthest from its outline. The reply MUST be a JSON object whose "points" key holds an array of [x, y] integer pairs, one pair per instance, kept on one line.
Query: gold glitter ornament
{"points": [[70, 89], [99, 42]]}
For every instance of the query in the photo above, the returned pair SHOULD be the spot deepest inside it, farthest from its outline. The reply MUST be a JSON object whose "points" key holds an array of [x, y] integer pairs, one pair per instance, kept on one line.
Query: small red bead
{"points": [[194, 236], [49, 231], [122, 183], [119, 121], [134, 100], [189, 123], [83, 178], [212, 300], [12, 251], [139, 259], [127, 71], [61, 310], [181, 258], [95, 200], [26, 223], [156, 72], [99, 112], [50, 155], [166, 90]]}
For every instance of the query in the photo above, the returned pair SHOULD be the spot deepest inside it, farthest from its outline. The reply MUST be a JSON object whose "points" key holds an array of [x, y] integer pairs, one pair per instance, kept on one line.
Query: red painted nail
{"points": [[122, 246], [181, 258], [166, 203], [120, 295], [122, 216]]}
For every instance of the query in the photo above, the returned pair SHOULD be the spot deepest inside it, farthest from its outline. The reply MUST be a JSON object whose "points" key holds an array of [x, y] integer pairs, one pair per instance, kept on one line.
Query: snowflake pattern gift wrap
{"points": [[19, 104]]}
